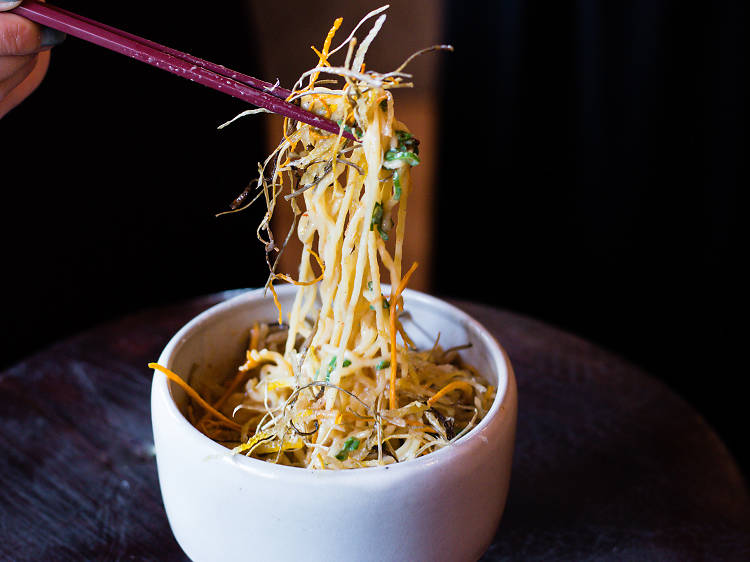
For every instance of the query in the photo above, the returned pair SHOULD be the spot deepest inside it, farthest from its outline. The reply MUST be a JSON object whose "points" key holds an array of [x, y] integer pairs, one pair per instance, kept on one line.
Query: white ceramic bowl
{"points": [[443, 506]]}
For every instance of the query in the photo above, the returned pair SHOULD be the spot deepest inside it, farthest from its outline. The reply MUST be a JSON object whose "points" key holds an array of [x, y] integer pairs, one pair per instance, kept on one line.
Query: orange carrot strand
{"points": [[192, 393], [394, 356]]}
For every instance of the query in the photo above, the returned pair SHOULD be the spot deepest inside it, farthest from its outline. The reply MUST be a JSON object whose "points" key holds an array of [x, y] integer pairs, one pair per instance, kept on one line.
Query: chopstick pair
{"points": [[252, 90]]}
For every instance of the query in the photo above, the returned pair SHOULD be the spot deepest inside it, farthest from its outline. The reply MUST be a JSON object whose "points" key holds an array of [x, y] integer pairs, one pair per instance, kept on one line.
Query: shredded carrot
{"points": [[288, 279], [394, 357], [238, 378], [404, 335], [323, 58], [463, 386], [276, 302], [315, 135], [322, 101], [286, 124], [326, 46], [193, 394], [241, 375]]}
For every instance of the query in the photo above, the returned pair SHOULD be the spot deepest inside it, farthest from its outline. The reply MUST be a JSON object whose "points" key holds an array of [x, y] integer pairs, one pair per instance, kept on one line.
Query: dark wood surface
{"points": [[609, 463]]}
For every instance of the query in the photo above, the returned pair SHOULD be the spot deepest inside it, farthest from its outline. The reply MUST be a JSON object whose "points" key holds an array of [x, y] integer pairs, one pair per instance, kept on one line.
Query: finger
{"points": [[8, 4], [10, 65], [32, 81], [21, 73], [19, 36]]}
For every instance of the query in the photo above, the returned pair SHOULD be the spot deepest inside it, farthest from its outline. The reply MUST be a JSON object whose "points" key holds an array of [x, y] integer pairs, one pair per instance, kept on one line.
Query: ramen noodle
{"points": [[339, 384]]}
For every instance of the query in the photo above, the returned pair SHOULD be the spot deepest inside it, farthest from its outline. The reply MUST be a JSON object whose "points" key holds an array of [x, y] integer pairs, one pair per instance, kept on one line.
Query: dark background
{"points": [[601, 172], [119, 170], [591, 157]]}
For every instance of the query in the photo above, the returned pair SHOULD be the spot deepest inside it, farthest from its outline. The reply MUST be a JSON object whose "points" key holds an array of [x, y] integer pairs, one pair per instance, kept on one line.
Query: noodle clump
{"points": [[341, 384]]}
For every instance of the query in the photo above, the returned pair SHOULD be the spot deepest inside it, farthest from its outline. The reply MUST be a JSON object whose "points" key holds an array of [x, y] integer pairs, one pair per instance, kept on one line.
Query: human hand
{"points": [[24, 55]]}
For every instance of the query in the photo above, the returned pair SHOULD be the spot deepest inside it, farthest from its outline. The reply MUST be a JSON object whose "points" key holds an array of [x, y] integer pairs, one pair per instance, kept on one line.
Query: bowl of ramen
{"points": [[334, 413], [444, 504]]}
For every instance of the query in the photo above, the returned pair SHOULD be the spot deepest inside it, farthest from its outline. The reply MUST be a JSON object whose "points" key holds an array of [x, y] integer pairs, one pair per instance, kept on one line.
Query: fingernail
{"points": [[8, 4], [51, 37]]}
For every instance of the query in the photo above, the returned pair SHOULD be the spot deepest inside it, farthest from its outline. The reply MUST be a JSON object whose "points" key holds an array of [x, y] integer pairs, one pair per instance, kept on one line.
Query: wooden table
{"points": [[609, 464]]}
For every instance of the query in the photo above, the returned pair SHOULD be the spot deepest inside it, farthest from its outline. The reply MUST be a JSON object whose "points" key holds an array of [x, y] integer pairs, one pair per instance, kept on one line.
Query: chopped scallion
{"points": [[386, 304], [377, 216], [409, 157], [356, 132], [396, 186], [332, 366], [351, 444]]}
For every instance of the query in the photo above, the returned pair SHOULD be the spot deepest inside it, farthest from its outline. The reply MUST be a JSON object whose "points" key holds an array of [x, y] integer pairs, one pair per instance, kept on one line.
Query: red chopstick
{"points": [[252, 90]]}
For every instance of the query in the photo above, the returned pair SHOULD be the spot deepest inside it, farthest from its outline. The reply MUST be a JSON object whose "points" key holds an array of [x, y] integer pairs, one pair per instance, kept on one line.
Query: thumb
{"points": [[6, 5]]}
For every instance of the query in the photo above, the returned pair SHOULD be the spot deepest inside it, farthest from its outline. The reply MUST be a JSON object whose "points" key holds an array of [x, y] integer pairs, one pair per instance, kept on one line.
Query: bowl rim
{"points": [[473, 439]]}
